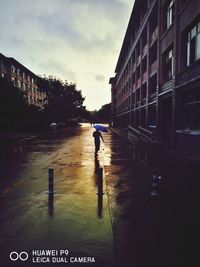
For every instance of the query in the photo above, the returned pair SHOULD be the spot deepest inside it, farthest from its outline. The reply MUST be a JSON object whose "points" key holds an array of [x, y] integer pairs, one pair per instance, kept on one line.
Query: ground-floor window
{"points": [[191, 110], [152, 117]]}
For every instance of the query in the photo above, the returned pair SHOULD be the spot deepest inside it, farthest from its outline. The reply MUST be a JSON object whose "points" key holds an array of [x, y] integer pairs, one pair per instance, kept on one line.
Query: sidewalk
{"points": [[174, 154], [152, 231]]}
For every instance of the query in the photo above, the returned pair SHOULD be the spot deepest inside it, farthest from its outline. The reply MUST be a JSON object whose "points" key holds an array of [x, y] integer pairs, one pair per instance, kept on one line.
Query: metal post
{"points": [[50, 174]]}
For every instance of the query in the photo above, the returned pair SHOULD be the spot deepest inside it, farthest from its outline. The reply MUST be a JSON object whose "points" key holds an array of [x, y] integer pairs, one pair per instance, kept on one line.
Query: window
{"points": [[153, 84], [18, 72], [29, 100], [144, 37], [1, 65], [144, 65], [12, 69], [152, 117], [193, 44], [168, 64], [138, 95], [144, 91], [2, 75], [23, 75], [153, 53], [19, 84], [138, 72], [13, 81], [191, 110], [24, 86], [169, 14], [137, 52]]}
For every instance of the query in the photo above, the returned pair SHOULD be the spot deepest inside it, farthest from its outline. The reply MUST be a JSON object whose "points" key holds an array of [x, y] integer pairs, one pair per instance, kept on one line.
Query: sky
{"points": [[75, 40]]}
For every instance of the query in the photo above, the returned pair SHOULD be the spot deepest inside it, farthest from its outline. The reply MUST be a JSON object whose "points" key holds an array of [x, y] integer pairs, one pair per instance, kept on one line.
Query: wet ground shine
{"points": [[124, 227], [75, 218]]}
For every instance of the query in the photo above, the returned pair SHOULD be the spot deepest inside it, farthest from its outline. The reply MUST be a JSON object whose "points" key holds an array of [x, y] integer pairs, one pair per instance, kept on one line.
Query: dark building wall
{"points": [[157, 80]]}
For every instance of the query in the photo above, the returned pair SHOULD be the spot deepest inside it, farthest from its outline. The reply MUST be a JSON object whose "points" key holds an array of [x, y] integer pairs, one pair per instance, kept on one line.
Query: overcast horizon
{"points": [[75, 40]]}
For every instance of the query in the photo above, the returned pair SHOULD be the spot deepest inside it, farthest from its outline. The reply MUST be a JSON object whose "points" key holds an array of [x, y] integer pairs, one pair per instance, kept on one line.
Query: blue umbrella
{"points": [[100, 128]]}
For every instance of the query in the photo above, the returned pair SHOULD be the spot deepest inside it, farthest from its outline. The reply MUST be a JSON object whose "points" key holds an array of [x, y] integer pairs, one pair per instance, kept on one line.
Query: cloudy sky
{"points": [[75, 40]]}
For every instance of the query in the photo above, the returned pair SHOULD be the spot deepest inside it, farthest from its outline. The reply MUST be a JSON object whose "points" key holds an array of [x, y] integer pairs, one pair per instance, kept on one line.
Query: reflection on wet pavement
{"points": [[73, 218], [93, 214]]}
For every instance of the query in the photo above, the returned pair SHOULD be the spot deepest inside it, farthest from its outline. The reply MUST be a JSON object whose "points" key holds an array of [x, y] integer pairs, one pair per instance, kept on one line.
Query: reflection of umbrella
{"points": [[100, 128]]}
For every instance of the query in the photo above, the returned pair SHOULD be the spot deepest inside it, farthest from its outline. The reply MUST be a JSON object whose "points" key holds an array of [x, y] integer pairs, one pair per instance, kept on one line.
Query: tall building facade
{"points": [[22, 78], [156, 89]]}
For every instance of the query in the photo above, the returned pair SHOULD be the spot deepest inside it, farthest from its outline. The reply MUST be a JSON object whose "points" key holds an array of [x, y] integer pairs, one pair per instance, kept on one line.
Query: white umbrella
{"points": [[53, 125]]}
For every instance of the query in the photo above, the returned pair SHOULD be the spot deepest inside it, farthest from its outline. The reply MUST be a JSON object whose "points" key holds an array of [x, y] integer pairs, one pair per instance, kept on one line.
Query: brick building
{"points": [[156, 89], [22, 78]]}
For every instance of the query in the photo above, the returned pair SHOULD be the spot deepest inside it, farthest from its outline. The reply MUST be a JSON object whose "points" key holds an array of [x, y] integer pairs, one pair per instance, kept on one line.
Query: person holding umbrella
{"points": [[97, 135]]}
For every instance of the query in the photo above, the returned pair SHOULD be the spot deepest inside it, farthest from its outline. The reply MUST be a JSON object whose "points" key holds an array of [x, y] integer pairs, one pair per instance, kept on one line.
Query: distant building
{"points": [[156, 89], [22, 78]]}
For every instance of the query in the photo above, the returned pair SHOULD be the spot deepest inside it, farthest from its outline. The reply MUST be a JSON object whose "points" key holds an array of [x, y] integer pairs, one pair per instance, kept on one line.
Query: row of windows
{"points": [[17, 71], [23, 74], [140, 117], [34, 101], [193, 49], [168, 18], [127, 89], [139, 96], [134, 61], [189, 113], [190, 54], [27, 88], [136, 75]]}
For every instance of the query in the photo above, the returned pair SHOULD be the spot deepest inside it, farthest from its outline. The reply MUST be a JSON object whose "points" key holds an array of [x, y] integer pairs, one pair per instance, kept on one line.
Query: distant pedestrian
{"points": [[53, 127], [97, 135]]}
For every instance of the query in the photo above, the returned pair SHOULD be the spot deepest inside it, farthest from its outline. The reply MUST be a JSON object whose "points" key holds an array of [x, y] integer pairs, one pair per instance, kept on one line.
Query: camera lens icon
{"points": [[14, 256]]}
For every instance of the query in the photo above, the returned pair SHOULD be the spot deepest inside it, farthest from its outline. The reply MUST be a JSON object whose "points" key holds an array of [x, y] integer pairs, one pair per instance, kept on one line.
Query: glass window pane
{"points": [[170, 54], [193, 32], [198, 26], [198, 46]]}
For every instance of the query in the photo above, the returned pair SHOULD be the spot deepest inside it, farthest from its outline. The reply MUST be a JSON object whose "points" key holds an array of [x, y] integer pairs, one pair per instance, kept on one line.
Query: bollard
{"points": [[100, 181], [50, 174]]}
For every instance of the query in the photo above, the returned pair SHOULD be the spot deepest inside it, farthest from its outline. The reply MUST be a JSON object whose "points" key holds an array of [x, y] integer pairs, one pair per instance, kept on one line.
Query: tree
{"points": [[12, 105], [64, 101], [104, 114]]}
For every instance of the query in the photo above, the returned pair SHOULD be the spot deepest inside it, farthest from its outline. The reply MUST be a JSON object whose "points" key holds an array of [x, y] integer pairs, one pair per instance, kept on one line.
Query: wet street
{"points": [[75, 218], [123, 227]]}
